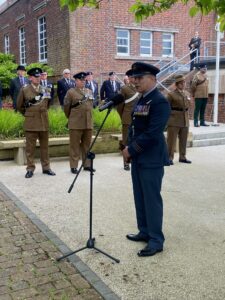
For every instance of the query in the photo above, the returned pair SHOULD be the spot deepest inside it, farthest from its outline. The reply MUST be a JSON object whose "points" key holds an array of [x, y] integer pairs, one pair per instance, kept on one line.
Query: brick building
{"points": [[99, 40]]}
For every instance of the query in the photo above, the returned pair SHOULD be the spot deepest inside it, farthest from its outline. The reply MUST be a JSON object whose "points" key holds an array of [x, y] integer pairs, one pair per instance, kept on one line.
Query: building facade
{"points": [[99, 40]]}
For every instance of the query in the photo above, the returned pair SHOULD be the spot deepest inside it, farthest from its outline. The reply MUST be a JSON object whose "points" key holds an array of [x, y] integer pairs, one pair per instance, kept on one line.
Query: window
{"points": [[145, 43], [42, 39], [167, 44], [6, 41], [123, 42], [22, 46]]}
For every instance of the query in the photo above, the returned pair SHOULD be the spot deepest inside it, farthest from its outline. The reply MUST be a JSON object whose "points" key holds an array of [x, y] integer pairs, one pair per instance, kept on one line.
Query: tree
{"points": [[143, 10]]}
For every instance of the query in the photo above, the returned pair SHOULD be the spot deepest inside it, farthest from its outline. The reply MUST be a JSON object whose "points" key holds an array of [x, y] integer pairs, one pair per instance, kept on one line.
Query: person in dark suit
{"points": [[0, 95], [195, 44], [147, 152], [17, 83], [47, 84], [63, 85], [91, 84], [178, 124], [109, 88], [33, 104]]}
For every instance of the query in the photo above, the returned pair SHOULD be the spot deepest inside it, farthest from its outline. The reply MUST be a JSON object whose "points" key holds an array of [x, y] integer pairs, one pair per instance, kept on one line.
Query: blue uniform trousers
{"points": [[148, 201]]}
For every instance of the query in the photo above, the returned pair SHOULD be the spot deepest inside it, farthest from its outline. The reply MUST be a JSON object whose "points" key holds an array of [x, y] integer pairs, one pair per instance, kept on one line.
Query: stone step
{"points": [[208, 135], [208, 142]]}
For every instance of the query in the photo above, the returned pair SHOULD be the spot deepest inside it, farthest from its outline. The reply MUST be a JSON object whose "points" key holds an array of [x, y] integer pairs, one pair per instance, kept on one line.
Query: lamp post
{"points": [[215, 115]]}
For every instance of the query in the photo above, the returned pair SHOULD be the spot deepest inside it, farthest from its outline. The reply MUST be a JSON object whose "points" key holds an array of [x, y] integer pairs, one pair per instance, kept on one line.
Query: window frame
{"points": [[128, 42], [44, 39], [172, 44], [22, 45], [6, 44], [150, 43]]}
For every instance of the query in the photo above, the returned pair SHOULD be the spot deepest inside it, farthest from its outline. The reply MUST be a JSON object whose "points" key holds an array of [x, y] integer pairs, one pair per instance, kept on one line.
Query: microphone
{"points": [[114, 101]]}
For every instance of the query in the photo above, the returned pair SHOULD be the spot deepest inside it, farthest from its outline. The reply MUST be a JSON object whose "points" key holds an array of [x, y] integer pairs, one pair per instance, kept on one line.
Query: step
{"points": [[208, 135], [208, 142]]}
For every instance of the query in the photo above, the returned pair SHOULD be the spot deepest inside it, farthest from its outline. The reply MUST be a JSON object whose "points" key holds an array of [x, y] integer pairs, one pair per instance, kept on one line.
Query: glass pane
{"points": [[167, 36], [145, 51], [166, 44], [122, 42], [167, 51], [145, 35], [122, 50], [145, 43], [122, 33]]}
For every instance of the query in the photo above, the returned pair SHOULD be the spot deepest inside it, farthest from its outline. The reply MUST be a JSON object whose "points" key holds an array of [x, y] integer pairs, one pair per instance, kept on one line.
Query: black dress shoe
{"points": [[171, 162], [186, 161], [196, 125], [29, 174], [126, 167], [137, 237], [49, 172], [74, 170], [204, 124], [89, 169], [148, 251]]}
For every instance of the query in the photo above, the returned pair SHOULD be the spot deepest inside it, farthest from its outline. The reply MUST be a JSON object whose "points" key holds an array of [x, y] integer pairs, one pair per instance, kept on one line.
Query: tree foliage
{"points": [[145, 9]]}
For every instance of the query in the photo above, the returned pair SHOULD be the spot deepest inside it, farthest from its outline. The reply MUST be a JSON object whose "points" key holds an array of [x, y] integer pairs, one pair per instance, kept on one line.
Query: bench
{"points": [[18, 147]]}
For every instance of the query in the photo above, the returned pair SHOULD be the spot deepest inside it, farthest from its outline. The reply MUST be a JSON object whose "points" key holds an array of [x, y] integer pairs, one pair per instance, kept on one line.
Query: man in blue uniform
{"points": [[147, 152]]}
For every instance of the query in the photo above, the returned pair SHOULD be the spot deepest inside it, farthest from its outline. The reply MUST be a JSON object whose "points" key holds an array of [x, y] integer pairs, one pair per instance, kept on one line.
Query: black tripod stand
{"points": [[91, 241]]}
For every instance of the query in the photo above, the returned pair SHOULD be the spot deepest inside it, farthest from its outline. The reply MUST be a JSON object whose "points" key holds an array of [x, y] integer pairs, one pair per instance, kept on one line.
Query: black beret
{"points": [[36, 72], [201, 66], [89, 73], [81, 75], [22, 68], [141, 69], [129, 72], [112, 73]]}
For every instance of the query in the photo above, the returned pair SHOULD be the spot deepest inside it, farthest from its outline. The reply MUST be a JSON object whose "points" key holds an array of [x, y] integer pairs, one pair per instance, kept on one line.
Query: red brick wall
{"points": [[57, 32], [93, 34]]}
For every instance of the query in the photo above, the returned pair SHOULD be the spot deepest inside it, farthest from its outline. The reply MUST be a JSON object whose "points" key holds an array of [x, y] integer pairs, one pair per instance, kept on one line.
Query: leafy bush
{"points": [[11, 123]]}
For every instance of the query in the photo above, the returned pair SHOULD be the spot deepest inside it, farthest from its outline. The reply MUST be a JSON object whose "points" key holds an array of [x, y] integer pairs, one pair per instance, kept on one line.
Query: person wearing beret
{"points": [[178, 124], [63, 85], [148, 154], [17, 83], [194, 46], [91, 84], [199, 88], [124, 109], [109, 88], [33, 101], [78, 105]]}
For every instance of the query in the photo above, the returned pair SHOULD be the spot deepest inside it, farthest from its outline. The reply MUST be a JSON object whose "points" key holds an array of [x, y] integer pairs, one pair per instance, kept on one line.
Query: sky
{"points": [[1, 1]]}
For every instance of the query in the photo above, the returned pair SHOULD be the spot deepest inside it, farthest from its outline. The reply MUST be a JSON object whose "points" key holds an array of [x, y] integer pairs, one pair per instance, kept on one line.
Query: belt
{"points": [[179, 109], [76, 104]]}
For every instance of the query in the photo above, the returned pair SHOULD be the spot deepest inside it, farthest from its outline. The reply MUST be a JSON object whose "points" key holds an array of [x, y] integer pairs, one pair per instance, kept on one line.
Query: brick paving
{"points": [[28, 266]]}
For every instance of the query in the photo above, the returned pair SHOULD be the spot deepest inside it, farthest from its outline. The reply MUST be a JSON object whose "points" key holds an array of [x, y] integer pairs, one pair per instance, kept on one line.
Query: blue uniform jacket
{"points": [[146, 142]]}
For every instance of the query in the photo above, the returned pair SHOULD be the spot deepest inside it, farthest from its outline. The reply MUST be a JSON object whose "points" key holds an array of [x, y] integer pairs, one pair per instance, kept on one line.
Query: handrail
{"points": [[175, 63], [160, 83]]}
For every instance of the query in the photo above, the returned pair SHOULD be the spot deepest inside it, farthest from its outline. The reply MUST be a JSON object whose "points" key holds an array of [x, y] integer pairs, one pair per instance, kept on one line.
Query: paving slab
{"points": [[192, 265]]}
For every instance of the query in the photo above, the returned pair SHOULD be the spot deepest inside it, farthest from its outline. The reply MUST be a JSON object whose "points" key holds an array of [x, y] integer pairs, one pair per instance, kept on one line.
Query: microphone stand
{"points": [[91, 240]]}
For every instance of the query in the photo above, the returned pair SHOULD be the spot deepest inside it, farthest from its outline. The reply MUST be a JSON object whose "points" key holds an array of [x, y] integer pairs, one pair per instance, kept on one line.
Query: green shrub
{"points": [[112, 123], [11, 123]]}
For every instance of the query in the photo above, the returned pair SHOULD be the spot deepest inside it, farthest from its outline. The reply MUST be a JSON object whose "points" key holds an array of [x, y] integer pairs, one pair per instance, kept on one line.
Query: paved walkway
{"points": [[192, 265], [28, 269]]}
